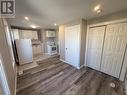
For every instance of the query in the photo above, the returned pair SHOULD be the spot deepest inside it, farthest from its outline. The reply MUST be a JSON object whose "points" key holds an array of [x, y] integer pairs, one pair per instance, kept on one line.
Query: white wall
{"points": [[83, 42], [4, 50], [62, 42], [110, 17]]}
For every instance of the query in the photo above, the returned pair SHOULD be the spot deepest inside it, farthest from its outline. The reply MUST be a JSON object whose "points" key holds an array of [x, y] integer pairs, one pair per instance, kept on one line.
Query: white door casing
{"points": [[114, 49], [94, 47], [72, 45]]}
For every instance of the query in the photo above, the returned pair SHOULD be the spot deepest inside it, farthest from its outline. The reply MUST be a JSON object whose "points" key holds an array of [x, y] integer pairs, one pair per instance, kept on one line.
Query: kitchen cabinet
{"points": [[16, 34], [50, 33], [37, 49], [29, 34]]}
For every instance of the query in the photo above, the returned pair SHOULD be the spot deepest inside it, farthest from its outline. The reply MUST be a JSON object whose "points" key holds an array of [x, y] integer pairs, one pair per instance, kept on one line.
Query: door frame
{"points": [[3, 78]]}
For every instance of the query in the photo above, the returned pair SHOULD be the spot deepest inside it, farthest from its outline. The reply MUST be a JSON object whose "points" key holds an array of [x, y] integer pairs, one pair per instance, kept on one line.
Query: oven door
{"points": [[54, 48]]}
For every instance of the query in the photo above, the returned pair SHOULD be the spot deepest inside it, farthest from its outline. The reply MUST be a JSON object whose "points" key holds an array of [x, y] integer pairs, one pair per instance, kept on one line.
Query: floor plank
{"points": [[53, 77]]}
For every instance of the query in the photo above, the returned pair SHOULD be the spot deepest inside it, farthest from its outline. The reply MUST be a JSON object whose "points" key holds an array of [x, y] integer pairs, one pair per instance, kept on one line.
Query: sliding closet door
{"points": [[72, 45], [94, 47], [114, 49]]}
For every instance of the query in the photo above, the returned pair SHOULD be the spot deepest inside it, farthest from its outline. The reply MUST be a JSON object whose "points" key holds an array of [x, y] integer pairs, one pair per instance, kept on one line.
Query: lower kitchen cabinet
{"points": [[37, 49]]}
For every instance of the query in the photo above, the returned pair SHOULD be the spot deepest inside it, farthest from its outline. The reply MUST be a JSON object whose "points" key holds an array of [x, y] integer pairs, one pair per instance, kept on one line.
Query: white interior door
{"points": [[94, 47], [114, 49], [72, 45]]}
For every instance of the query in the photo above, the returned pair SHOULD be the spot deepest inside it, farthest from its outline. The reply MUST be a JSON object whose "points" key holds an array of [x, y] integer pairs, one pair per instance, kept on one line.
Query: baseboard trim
{"points": [[63, 60], [45, 53], [77, 67], [81, 66]]}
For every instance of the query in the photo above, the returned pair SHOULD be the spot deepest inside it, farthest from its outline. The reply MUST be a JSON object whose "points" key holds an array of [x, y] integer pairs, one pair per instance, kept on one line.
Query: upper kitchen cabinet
{"points": [[25, 34], [29, 34], [16, 33], [50, 33]]}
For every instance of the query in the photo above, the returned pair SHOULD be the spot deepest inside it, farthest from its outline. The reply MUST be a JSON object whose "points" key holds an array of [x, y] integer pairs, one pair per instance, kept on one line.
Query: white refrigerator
{"points": [[24, 51]]}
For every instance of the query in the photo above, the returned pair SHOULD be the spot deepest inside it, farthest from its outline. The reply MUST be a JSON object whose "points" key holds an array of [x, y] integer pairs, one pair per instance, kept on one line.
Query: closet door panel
{"points": [[114, 49], [94, 47]]}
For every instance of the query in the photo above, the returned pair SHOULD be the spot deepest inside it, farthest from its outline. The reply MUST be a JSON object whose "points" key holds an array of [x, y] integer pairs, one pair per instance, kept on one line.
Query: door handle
{"points": [[66, 48]]}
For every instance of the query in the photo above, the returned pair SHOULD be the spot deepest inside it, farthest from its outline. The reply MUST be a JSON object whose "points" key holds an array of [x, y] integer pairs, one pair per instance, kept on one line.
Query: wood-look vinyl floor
{"points": [[53, 77]]}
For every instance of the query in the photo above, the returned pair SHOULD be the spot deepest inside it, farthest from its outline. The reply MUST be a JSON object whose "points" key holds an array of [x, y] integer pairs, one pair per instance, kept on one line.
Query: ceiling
{"points": [[44, 13]]}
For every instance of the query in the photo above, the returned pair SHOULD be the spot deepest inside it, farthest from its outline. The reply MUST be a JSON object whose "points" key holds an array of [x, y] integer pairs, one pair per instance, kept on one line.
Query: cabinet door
{"points": [[39, 48], [94, 47], [50, 34], [114, 49], [72, 45], [27, 34], [16, 33], [34, 49], [34, 35]]}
